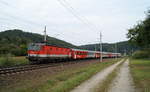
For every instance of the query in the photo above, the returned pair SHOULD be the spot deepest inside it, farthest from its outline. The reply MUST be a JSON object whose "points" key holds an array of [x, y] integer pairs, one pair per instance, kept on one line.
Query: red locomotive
{"points": [[41, 52]]}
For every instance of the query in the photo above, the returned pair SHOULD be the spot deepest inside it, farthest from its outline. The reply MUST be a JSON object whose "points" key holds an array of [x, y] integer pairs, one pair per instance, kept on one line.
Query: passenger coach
{"points": [[41, 52]]}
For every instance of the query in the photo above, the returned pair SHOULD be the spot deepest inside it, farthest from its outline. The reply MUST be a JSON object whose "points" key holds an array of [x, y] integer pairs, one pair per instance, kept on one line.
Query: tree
{"points": [[140, 34]]}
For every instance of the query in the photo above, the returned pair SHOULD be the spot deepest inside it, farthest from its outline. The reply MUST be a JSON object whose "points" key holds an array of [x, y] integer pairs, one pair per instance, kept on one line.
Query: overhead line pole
{"points": [[95, 47], [116, 49], [45, 40], [101, 48]]}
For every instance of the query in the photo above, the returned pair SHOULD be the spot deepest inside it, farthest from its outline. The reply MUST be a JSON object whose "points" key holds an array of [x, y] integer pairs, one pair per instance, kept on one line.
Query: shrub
{"points": [[6, 60], [10, 60], [141, 54]]}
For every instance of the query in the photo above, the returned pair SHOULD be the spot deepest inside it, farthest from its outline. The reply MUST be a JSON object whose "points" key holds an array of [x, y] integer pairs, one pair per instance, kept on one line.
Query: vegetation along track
{"points": [[27, 68]]}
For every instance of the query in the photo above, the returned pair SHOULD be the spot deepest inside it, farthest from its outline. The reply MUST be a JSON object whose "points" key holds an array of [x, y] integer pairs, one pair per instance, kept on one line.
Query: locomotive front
{"points": [[34, 50]]}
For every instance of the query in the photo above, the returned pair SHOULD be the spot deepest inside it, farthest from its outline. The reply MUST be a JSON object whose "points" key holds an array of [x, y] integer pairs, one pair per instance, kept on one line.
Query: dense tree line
{"points": [[122, 47]]}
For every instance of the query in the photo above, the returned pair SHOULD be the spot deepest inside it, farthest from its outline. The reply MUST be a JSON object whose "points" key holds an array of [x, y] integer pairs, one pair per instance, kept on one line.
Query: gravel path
{"points": [[123, 82], [89, 85]]}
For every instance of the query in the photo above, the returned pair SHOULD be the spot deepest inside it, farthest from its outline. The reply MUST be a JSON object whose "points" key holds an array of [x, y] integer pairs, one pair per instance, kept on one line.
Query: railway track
{"points": [[27, 68]]}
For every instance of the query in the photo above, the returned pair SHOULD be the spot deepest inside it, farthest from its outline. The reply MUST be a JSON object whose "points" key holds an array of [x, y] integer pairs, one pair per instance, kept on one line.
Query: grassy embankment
{"points": [[140, 69], [68, 79], [8, 60]]}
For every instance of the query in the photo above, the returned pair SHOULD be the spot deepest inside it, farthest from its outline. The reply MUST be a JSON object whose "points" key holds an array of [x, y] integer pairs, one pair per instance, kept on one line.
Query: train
{"points": [[42, 53]]}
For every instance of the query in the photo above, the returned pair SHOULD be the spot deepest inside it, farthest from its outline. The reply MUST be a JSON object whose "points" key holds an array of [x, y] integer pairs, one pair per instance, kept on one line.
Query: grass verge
{"points": [[67, 80], [140, 69], [8, 60], [104, 86]]}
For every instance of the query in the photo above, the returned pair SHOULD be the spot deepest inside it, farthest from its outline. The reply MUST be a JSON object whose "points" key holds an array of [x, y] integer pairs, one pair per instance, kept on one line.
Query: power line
{"points": [[28, 22], [5, 3], [82, 17], [65, 4], [17, 18]]}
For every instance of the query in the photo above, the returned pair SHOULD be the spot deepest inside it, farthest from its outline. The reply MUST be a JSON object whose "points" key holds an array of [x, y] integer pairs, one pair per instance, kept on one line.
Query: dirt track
{"points": [[123, 82], [89, 85]]}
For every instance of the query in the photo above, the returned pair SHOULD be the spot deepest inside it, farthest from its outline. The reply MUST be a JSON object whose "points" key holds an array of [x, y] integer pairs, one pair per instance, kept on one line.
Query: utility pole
{"points": [[101, 48], [95, 47], [45, 40], [116, 49], [125, 52]]}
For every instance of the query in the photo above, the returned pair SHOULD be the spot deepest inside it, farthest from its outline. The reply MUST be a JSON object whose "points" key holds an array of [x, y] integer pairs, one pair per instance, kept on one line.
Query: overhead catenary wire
{"points": [[73, 11], [18, 19], [28, 22], [82, 19], [4, 3], [65, 4]]}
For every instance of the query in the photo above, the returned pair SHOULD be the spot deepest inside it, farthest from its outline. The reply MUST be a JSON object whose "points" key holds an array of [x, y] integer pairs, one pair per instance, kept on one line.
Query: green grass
{"points": [[12, 61], [67, 80], [140, 69]]}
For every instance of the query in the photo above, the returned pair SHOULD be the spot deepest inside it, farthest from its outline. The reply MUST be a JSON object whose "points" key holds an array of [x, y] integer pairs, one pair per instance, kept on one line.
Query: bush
{"points": [[10, 60], [141, 54], [6, 60]]}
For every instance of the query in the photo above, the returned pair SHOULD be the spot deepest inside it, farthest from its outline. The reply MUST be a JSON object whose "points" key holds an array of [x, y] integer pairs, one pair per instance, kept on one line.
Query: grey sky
{"points": [[112, 17]]}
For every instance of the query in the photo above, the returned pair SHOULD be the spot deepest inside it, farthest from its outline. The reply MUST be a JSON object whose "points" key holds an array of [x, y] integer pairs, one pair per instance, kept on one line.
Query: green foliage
{"points": [[15, 41], [122, 47], [140, 34], [141, 54], [6, 60], [68, 80], [78, 77], [65, 80], [140, 72], [10, 60]]}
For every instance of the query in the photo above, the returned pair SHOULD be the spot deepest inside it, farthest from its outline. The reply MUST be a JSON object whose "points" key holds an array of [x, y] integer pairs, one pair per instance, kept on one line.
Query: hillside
{"points": [[15, 41], [122, 47]]}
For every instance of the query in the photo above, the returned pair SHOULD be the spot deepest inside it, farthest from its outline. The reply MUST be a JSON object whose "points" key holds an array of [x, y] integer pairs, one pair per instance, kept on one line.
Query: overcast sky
{"points": [[76, 21]]}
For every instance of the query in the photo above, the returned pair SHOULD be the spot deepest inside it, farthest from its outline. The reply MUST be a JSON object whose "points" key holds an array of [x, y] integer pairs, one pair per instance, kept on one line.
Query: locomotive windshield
{"points": [[34, 46]]}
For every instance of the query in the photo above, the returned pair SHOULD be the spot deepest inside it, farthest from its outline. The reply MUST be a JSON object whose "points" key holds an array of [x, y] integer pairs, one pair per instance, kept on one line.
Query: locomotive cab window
{"points": [[34, 47]]}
